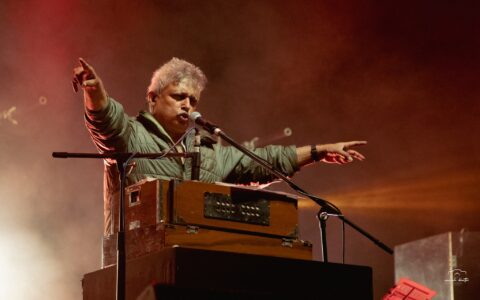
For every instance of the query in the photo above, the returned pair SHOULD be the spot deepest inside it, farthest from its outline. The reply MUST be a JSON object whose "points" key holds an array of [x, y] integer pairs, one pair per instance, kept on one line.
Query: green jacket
{"points": [[113, 130]]}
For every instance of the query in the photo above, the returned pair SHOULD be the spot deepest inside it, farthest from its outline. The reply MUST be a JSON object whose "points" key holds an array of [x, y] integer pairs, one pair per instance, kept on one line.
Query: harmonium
{"points": [[192, 214]]}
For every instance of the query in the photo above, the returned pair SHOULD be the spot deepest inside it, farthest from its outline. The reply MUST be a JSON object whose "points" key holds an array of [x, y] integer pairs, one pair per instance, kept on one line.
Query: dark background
{"points": [[401, 74]]}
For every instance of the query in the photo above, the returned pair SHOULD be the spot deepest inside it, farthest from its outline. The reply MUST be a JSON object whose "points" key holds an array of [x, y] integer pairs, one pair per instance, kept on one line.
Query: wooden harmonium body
{"points": [[193, 214]]}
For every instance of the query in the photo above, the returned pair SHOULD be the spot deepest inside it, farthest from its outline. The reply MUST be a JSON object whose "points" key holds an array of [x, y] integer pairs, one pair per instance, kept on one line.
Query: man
{"points": [[173, 94]]}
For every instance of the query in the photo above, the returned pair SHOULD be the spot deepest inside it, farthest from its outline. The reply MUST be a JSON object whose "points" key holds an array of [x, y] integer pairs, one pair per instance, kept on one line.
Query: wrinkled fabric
{"points": [[114, 131]]}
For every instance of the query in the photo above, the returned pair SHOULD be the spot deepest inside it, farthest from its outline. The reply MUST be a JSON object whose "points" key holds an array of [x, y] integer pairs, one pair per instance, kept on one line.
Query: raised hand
{"points": [[94, 95]]}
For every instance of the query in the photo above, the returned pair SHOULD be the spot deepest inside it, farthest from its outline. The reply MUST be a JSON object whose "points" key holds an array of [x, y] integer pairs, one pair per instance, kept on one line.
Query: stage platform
{"points": [[185, 272]]}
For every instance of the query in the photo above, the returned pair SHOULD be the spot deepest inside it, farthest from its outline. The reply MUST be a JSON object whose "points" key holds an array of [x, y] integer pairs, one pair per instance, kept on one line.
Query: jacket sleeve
{"points": [[109, 128], [238, 168]]}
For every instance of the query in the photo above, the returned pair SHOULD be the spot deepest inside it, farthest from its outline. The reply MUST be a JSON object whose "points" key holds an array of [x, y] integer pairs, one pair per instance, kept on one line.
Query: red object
{"points": [[406, 289]]}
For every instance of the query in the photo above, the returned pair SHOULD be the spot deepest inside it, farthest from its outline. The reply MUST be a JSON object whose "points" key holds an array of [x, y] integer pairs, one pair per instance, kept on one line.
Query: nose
{"points": [[187, 104]]}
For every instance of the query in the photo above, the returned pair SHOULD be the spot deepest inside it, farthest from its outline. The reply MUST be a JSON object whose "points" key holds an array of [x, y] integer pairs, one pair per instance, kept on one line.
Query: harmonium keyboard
{"points": [[199, 215]]}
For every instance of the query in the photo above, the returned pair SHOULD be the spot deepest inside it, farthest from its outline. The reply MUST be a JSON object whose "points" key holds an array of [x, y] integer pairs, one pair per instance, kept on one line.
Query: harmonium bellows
{"points": [[194, 214]]}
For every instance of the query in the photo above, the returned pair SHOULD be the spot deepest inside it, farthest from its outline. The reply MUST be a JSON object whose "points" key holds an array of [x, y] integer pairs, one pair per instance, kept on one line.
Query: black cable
{"points": [[176, 143]]}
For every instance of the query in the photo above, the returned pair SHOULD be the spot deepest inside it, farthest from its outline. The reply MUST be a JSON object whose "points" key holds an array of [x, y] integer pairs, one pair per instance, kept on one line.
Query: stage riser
{"points": [[230, 273]]}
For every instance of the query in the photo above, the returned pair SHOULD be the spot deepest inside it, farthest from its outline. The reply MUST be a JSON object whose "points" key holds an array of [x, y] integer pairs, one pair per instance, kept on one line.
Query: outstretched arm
{"points": [[94, 94], [339, 153]]}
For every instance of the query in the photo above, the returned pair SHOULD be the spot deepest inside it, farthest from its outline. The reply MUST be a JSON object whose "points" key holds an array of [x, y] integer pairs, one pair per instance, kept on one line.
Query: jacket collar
{"points": [[152, 125]]}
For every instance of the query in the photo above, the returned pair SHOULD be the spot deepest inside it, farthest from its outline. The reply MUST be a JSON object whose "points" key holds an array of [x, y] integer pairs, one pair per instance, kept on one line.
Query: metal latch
{"points": [[192, 229], [287, 242]]}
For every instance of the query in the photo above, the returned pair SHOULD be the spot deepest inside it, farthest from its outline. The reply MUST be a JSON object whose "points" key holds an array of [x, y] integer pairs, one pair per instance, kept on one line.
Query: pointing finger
{"points": [[86, 66], [355, 143], [83, 63]]}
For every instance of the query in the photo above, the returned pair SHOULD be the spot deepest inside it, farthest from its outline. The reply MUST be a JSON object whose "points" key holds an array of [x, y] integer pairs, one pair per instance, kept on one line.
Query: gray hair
{"points": [[174, 71]]}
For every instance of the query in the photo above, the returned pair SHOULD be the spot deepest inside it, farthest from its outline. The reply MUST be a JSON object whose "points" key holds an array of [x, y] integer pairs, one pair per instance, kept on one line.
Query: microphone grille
{"points": [[195, 115]]}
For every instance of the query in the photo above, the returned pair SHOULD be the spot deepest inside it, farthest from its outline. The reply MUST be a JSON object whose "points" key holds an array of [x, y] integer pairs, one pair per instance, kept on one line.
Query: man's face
{"points": [[173, 105]]}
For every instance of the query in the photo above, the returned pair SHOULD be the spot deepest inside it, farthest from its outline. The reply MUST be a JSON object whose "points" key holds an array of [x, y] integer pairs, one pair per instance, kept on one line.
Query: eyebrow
{"points": [[186, 95]]}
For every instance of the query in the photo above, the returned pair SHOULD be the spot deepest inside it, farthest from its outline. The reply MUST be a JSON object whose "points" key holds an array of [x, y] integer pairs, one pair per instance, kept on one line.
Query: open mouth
{"points": [[183, 117]]}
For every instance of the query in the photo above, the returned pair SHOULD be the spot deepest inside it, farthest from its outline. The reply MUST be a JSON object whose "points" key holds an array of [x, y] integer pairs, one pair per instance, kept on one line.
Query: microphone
{"points": [[197, 118]]}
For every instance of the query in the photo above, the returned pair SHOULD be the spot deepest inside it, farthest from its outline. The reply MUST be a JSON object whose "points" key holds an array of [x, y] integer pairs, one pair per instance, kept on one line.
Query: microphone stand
{"points": [[196, 156], [326, 207], [122, 159], [322, 218]]}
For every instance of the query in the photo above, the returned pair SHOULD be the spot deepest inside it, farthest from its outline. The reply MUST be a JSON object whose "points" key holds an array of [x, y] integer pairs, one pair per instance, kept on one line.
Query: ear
{"points": [[151, 97]]}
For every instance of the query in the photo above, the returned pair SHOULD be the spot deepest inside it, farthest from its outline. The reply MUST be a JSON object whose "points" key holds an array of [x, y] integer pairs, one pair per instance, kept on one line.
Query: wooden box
{"points": [[145, 240], [199, 215], [232, 208]]}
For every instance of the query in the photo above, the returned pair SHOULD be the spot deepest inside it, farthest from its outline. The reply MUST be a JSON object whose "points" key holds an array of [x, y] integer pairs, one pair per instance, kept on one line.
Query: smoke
{"points": [[30, 270]]}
